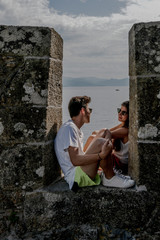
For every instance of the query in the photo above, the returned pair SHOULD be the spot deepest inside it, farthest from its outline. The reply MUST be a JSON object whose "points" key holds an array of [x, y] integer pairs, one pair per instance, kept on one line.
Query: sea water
{"points": [[104, 102]]}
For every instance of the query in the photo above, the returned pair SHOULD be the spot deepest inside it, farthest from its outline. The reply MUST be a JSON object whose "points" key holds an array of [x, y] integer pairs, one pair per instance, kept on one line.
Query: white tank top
{"points": [[123, 153]]}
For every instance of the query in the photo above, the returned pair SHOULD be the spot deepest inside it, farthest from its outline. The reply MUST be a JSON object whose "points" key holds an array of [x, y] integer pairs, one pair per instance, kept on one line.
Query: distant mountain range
{"points": [[92, 81]]}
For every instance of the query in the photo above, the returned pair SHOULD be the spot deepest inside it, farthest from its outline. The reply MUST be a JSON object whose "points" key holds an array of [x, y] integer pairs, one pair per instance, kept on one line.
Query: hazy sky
{"points": [[95, 32]]}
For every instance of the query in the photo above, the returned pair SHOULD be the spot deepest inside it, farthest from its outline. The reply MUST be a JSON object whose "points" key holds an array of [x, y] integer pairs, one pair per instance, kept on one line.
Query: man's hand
{"points": [[106, 149]]}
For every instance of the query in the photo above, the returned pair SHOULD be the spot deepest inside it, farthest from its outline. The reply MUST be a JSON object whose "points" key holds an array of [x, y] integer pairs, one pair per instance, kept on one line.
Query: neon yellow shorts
{"points": [[83, 180]]}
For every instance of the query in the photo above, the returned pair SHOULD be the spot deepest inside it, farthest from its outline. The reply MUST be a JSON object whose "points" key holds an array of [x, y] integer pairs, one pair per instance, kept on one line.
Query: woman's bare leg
{"points": [[103, 133], [88, 142]]}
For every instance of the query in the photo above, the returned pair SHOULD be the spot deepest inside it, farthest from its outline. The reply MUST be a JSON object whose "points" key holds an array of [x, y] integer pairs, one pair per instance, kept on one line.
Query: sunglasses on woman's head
{"points": [[122, 112]]}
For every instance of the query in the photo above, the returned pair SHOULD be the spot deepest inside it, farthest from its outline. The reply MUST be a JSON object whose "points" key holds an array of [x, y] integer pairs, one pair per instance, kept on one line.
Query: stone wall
{"points": [[30, 107], [30, 115], [144, 71]]}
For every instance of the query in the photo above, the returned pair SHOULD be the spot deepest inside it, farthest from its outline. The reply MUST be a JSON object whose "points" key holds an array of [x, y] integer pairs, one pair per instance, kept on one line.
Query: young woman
{"points": [[119, 136]]}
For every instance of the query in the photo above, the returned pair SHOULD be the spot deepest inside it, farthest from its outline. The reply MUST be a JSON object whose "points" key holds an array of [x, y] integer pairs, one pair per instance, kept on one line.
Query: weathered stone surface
{"points": [[53, 121], [31, 41], [144, 49], [30, 109], [20, 162], [145, 100], [23, 124], [30, 81], [134, 160], [27, 166], [55, 212], [147, 160], [52, 169], [149, 103], [144, 133], [10, 200], [55, 84], [60, 208], [29, 124]]}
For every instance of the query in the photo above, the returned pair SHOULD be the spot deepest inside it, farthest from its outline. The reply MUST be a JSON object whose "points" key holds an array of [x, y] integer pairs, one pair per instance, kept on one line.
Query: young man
{"points": [[79, 167]]}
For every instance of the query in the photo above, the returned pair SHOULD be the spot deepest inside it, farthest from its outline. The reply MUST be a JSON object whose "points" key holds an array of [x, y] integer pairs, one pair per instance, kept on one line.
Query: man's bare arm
{"points": [[81, 160], [86, 159]]}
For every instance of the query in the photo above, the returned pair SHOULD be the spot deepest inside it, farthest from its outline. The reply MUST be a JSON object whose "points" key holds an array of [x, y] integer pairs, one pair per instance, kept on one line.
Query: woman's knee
{"points": [[99, 142], [96, 145]]}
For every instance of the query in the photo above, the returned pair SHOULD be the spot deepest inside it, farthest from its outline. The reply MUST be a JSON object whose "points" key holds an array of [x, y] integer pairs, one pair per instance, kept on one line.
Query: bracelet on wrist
{"points": [[99, 157]]}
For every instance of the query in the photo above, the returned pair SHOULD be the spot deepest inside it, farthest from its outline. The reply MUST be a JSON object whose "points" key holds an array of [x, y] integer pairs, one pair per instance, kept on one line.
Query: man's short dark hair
{"points": [[76, 103]]}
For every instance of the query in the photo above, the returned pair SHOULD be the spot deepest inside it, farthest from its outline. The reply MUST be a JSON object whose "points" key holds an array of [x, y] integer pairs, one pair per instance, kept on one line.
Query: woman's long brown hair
{"points": [[117, 142]]}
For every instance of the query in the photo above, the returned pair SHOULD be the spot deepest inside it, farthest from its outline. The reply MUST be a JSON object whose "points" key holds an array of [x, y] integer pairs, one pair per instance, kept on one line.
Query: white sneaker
{"points": [[119, 173], [117, 181]]}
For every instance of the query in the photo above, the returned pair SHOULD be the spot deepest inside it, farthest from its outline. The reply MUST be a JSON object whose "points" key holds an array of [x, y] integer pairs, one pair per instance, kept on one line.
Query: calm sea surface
{"points": [[104, 103]]}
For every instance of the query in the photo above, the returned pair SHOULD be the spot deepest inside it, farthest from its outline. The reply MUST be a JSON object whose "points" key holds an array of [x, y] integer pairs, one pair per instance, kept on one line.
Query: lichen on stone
{"points": [[149, 131], [1, 128], [157, 69], [19, 126], [40, 171], [32, 96]]}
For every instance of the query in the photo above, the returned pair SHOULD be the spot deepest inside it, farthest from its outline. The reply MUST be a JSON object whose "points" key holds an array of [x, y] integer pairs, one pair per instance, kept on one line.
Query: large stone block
{"points": [[149, 160], [144, 105], [133, 163], [59, 209], [52, 169], [144, 132], [30, 81], [53, 121], [55, 84], [144, 165], [29, 124], [144, 49], [148, 100], [31, 41], [23, 124], [133, 105], [30, 109], [27, 166]]}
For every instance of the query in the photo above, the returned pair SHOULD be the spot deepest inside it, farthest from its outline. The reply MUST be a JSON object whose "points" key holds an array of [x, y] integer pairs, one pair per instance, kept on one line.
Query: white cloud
{"points": [[93, 46], [143, 10]]}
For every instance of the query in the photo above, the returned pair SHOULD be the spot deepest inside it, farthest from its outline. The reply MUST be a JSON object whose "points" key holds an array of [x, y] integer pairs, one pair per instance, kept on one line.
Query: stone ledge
{"points": [[55, 212], [58, 207]]}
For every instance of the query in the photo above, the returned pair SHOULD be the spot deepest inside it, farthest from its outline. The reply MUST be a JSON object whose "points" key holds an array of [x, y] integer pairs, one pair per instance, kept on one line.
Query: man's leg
{"points": [[109, 179], [91, 170], [107, 166]]}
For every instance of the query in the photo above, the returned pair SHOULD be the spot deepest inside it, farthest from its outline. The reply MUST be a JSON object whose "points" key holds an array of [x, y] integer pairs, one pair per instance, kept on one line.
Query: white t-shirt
{"points": [[123, 153], [68, 135]]}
